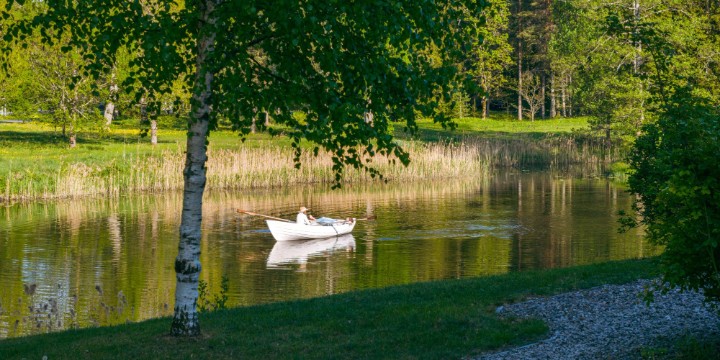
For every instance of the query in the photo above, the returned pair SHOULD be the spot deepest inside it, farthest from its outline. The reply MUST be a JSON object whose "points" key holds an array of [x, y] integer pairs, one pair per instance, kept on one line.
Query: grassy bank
{"points": [[500, 127], [35, 162], [445, 319]]}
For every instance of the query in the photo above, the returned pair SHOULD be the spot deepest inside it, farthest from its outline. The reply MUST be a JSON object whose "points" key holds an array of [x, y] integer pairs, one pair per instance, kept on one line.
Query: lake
{"points": [[93, 262]]}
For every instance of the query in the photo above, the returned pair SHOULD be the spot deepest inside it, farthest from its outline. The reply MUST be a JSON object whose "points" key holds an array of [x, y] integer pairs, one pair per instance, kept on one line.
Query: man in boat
{"points": [[303, 218]]}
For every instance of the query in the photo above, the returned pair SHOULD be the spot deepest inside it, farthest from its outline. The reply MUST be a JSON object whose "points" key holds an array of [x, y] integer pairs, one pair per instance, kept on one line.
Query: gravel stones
{"points": [[611, 322]]}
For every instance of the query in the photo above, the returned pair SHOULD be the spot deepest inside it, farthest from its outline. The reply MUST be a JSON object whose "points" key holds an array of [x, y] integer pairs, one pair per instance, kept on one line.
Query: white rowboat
{"points": [[284, 231]]}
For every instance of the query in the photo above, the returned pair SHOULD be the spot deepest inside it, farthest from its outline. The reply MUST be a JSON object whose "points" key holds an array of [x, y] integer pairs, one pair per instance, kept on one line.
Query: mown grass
{"points": [[498, 126], [434, 320]]}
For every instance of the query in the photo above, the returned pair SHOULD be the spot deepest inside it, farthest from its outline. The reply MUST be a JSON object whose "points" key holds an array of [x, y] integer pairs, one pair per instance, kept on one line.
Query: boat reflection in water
{"points": [[299, 251]]}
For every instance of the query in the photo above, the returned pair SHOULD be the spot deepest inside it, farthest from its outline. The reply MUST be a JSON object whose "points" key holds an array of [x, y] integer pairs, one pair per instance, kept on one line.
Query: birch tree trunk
{"points": [[187, 264], [153, 132], [109, 112]]}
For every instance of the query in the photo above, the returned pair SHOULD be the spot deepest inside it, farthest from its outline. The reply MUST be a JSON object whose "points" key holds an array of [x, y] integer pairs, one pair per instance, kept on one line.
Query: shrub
{"points": [[676, 175]]}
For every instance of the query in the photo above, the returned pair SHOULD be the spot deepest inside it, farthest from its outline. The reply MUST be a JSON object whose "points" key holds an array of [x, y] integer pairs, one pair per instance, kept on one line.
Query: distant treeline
{"points": [[534, 59]]}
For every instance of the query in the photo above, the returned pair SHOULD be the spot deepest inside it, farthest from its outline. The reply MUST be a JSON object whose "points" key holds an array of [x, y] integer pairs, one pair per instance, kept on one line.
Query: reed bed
{"points": [[554, 151], [231, 169], [269, 167]]}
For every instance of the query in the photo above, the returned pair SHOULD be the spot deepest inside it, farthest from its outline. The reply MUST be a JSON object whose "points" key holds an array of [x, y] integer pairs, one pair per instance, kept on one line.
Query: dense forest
{"points": [[535, 59]]}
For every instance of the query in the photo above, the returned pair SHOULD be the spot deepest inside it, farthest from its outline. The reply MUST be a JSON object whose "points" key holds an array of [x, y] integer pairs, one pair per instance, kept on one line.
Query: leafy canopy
{"points": [[334, 60]]}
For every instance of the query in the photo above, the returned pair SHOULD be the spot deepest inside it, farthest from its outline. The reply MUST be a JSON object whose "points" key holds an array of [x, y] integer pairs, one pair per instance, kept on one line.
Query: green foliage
{"points": [[676, 175], [333, 61], [490, 54], [218, 301]]}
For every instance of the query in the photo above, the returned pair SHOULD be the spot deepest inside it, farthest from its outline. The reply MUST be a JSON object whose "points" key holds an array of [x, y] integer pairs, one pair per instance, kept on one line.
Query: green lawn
{"points": [[497, 127], [45, 147], [435, 320]]}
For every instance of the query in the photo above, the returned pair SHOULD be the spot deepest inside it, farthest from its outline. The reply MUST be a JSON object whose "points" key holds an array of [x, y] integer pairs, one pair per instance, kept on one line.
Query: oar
{"points": [[371, 217], [265, 216]]}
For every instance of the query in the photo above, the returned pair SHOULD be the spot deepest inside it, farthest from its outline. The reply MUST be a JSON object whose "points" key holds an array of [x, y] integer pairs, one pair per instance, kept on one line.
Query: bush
{"points": [[676, 175]]}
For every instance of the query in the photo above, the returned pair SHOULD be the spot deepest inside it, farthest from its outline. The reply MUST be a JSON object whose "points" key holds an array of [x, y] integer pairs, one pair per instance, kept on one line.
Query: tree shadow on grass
{"points": [[432, 135], [43, 138], [37, 139]]}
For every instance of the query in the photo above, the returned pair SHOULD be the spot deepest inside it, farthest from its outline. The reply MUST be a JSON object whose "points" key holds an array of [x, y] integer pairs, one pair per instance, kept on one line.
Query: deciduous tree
{"points": [[334, 60], [676, 177]]}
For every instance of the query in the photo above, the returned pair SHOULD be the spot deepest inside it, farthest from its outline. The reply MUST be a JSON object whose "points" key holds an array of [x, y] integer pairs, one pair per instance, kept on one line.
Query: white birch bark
{"points": [[153, 132], [187, 264], [108, 114]]}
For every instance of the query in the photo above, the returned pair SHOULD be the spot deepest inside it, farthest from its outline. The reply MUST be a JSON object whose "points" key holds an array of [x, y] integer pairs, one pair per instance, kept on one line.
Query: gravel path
{"points": [[611, 322]]}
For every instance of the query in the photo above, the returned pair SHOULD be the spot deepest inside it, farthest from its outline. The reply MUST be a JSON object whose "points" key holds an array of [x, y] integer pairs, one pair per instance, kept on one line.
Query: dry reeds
{"points": [[274, 167]]}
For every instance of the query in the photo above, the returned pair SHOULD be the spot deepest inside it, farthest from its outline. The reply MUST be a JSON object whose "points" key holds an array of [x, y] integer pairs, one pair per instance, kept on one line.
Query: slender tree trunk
{"points": [[108, 114], [519, 60], [73, 137], [484, 104], [369, 117], [144, 119], [520, 85], [563, 104], [187, 263], [153, 132], [110, 105], [553, 104], [570, 97], [542, 95], [267, 119]]}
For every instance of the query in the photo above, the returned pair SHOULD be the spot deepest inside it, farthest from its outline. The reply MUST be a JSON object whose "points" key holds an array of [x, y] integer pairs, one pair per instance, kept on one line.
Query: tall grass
{"points": [[35, 166], [557, 151], [232, 169]]}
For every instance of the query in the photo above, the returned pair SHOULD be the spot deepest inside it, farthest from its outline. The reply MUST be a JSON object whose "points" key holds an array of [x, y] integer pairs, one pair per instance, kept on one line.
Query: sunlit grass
{"points": [[499, 126]]}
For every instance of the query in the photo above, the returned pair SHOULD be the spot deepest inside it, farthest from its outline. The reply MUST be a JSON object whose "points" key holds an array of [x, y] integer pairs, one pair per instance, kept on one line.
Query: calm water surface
{"points": [[80, 263]]}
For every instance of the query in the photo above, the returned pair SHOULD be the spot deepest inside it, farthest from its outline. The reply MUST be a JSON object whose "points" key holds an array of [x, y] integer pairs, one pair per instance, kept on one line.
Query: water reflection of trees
{"points": [[569, 221]]}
